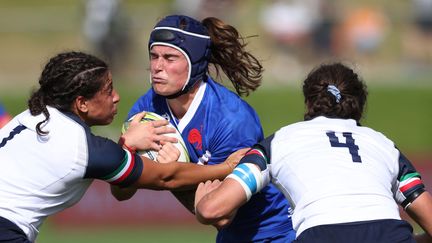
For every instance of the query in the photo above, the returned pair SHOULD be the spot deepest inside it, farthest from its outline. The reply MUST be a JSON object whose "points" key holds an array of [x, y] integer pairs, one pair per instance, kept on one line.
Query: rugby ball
{"points": [[151, 154]]}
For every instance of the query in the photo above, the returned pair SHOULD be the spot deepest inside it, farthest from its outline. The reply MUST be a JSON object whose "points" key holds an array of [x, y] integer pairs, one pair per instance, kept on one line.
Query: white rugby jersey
{"points": [[334, 171], [43, 175]]}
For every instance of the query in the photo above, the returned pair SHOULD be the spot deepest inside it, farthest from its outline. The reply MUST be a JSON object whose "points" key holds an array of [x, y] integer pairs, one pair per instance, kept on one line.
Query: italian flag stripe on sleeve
{"points": [[409, 181], [257, 152], [123, 171], [410, 175], [408, 184]]}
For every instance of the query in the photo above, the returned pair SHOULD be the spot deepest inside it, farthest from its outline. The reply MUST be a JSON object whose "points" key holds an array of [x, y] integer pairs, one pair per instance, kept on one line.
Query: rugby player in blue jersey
{"points": [[213, 120]]}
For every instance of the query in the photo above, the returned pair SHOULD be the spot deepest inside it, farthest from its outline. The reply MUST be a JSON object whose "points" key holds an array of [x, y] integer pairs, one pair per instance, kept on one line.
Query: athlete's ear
{"points": [[80, 104]]}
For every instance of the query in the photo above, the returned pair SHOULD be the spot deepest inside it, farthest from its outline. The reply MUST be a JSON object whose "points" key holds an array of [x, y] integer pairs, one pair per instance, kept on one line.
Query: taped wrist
{"points": [[250, 177]]}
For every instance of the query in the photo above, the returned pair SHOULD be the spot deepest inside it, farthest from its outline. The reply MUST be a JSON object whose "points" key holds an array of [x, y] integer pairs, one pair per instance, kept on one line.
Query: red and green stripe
{"points": [[409, 181], [123, 171]]}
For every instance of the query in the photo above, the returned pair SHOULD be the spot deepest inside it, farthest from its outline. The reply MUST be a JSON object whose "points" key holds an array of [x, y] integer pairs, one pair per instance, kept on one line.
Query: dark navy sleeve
{"points": [[410, 185], [110, 162], [259, 154]]}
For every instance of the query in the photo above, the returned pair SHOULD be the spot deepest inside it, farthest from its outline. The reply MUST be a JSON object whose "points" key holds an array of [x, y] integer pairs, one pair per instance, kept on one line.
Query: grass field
{"points": [[135, 234]]}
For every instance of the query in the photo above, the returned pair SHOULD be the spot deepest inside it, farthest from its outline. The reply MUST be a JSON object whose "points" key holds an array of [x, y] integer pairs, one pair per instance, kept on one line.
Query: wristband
{"points": [[123, 144]]}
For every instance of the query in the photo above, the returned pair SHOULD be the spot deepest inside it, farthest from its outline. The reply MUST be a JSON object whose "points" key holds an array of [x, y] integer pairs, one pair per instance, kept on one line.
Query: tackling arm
{"points": [[421, 211], [218, 206], [183, 176]]}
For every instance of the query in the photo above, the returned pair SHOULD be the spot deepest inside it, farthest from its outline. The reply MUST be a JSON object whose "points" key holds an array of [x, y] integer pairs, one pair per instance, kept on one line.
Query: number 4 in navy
{"points": [[350, 144]]}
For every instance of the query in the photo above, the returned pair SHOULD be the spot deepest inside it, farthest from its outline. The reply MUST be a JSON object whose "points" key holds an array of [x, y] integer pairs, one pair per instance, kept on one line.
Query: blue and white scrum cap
{"points": [[191, 38]]}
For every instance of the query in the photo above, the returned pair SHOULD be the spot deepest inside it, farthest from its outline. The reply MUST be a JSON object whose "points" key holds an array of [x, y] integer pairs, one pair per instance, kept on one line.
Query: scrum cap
{"points": [[191, 38]]}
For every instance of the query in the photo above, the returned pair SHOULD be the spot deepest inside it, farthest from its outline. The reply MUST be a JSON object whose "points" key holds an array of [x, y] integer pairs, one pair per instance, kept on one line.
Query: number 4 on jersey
{"points": [[350, 144]]}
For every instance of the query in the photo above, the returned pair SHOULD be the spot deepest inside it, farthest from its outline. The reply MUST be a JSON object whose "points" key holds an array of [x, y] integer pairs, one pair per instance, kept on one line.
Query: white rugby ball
{"points": [[151, 154]]}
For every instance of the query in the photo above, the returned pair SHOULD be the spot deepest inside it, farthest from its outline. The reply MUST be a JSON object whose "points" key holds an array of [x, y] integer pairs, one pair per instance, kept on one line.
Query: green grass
{"points": [[115, 234]]}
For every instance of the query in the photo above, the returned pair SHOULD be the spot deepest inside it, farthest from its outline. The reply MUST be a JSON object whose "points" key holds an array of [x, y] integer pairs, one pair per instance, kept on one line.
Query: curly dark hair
{"points": [[321, 102], [228, 53], [65, 77]]}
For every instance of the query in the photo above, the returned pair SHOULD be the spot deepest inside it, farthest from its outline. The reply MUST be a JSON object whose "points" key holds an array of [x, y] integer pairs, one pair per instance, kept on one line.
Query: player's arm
{"points": [[217, 203], [240, 133], [413, 197], [167, 154], [148, 135], [421, 211], [122, 193], [183, 176], [218, 206], [143, 136]]}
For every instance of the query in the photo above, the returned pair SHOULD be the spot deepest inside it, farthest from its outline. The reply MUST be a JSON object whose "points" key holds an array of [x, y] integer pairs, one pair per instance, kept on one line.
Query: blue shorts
{"points": [[382, 231], [11, 233]]}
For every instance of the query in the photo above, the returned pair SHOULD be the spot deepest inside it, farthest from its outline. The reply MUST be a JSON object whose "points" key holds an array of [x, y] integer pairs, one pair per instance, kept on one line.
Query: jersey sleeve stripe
{"points": [[123, 170], [408, 184], [410, 175], [256, 152], [126, 174]]}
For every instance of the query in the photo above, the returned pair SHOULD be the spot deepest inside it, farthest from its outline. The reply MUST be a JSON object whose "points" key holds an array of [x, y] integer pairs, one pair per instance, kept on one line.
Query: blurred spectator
{"points": [[417, 40], [290, 24], [323, 32], [362, 32], [423, 15], [200, 9], [4, 116], [106, 28]]}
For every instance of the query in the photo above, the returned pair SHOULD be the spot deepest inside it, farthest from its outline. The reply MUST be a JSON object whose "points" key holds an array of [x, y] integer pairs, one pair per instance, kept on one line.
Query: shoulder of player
{"points": [[147, 97], [219, 91], [230, 105], [104, 155], [146, 102]]}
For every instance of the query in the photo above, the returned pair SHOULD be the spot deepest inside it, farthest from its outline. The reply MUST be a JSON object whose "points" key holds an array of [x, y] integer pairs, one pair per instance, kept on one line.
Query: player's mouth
{"points": [[158, 80]]}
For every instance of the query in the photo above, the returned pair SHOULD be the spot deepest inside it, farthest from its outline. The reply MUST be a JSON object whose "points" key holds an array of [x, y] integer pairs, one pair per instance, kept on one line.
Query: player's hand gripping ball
{"points": [[151, 154]]}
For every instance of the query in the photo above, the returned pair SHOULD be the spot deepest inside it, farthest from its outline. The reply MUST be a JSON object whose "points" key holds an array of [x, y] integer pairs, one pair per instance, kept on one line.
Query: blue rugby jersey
{"points": [[218, 123]]}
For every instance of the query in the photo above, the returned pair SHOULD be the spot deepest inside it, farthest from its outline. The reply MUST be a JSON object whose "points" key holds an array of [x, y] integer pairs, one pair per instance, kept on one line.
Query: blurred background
{"points": [[388, 42]]}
